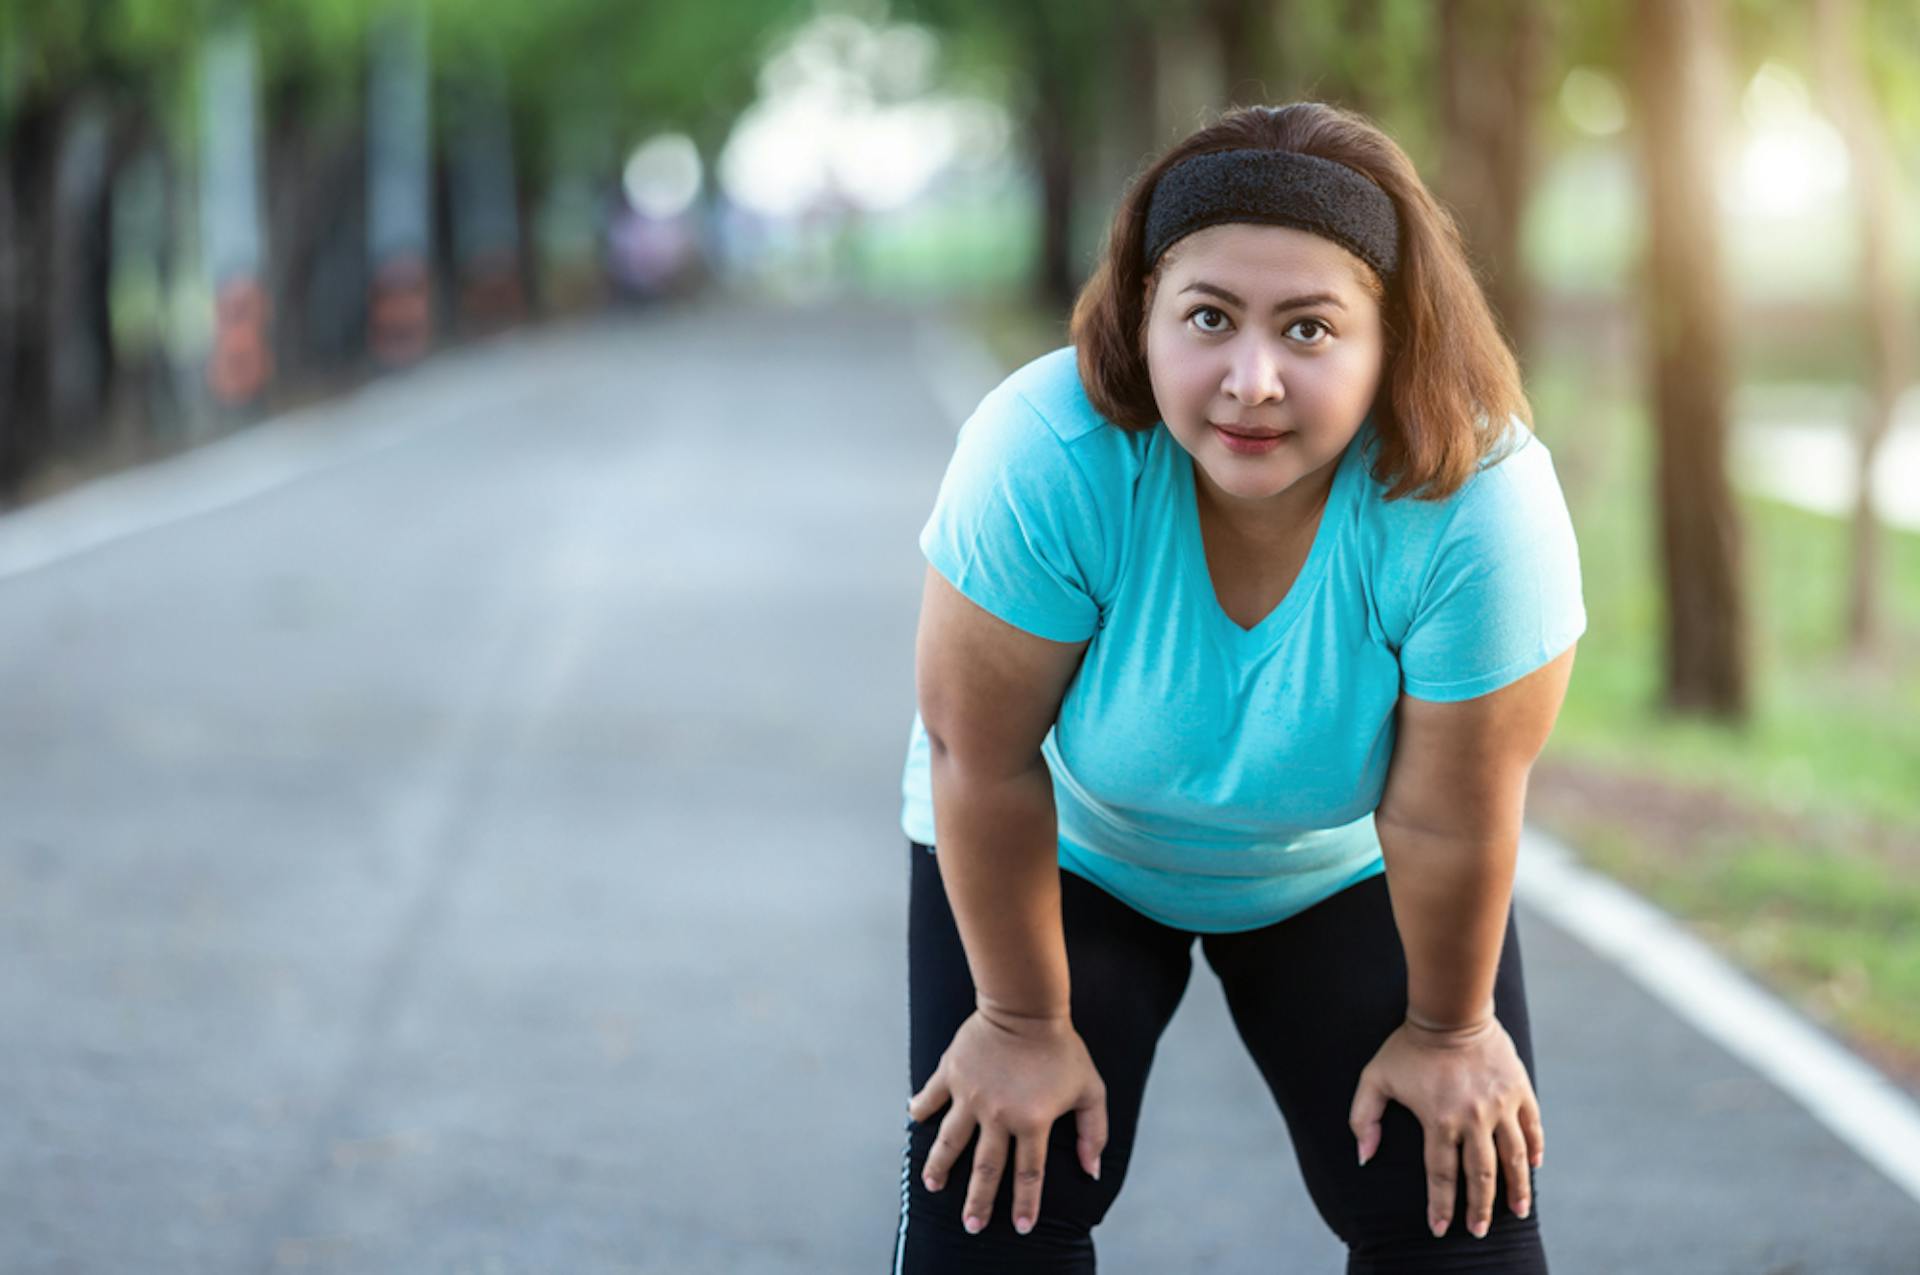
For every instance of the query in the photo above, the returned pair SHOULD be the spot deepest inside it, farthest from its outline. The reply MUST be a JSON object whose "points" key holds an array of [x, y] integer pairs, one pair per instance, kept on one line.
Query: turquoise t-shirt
{"points": [[1212, 777]]}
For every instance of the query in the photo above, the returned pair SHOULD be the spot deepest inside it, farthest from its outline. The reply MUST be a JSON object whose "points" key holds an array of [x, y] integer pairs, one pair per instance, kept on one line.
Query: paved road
{"points": [[480, 855]]}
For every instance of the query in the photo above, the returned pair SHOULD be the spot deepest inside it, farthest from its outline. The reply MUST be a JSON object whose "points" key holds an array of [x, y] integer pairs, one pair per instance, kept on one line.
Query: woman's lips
{"points": [[1249, 445]]}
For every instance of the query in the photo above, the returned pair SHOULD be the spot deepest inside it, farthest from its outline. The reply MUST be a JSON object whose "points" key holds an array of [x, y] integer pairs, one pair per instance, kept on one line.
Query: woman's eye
{"points": [[1320, 329], [1206, 310]]}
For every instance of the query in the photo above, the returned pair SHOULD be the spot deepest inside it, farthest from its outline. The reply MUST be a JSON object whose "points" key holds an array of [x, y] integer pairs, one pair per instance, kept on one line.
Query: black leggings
{"points": [[1313, 997]]}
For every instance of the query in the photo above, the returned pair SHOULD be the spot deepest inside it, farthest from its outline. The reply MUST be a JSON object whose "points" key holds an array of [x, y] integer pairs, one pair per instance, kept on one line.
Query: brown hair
{"points": [[1449, 382]]}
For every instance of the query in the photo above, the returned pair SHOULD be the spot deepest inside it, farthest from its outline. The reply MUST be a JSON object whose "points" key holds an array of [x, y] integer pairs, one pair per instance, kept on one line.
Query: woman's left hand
{"points": [[1473, 1098]]}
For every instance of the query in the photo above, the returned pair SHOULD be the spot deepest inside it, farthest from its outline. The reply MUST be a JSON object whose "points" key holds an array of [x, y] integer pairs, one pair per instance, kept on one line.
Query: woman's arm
{"points": [[989, 693], [1449, 826], [998, 849]]}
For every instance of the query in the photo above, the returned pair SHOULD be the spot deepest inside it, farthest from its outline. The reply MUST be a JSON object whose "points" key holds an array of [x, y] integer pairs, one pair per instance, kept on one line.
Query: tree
{"points": [[1493, 57], [1886, 318], [78, 103], [1677, 129], [1070, 60]]}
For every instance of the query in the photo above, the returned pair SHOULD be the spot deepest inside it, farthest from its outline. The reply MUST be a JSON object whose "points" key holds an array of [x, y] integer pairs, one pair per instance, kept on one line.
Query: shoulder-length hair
{"points": [[1449, 382]]}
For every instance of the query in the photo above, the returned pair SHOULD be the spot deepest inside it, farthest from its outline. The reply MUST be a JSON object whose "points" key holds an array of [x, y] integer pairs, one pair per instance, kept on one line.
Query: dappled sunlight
{"points": [[477, 480]]}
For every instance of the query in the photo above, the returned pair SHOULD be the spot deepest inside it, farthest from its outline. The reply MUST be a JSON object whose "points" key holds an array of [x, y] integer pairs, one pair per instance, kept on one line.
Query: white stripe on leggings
{"points": [[906, 1152], [906, 1172]]}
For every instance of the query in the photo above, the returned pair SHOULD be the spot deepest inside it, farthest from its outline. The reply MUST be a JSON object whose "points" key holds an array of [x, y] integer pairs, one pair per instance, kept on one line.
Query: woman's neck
{"points": [[1271, 522]]}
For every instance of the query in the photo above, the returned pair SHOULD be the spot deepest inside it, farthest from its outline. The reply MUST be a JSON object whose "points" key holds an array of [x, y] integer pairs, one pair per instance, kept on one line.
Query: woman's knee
{"points": [[1511, 1246], [1071, 1205], [1382, 1215]]}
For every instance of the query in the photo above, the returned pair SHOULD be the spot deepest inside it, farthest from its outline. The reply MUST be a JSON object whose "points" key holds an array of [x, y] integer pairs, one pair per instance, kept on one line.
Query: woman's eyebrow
{"points": [[1291, 303]]}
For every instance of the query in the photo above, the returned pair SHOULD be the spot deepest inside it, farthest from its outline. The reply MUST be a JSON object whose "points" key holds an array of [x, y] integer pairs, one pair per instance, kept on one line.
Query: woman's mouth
{"points": [[1249, 444]]}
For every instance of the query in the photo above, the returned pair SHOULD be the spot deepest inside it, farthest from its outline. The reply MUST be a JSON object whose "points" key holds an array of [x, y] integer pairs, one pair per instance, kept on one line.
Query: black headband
{"points": [[1275, 188]]}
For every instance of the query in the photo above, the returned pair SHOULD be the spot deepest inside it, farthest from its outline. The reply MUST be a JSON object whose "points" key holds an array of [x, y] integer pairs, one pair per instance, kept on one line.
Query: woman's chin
{"points": [[1233, 479]]}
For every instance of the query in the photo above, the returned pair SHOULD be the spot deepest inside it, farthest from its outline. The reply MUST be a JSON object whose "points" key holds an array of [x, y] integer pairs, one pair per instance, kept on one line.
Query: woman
{"points": [[1245, 617]]}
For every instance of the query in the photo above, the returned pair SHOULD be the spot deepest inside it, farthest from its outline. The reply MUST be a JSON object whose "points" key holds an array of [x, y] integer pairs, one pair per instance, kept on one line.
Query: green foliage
{"points": [[1377, 59], [679, 65], [314, 39], [682, 66], [45, 46], [1824, 735], [1892, 39]]}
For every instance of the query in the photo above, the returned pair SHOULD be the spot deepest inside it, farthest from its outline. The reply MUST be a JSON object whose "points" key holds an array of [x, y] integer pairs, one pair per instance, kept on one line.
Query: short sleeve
{"points": [[1501, 593], [1015, 527]]}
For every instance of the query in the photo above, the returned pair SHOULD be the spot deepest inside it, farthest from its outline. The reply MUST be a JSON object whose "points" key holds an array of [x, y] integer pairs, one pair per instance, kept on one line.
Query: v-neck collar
{"points": [[1194, 550]]}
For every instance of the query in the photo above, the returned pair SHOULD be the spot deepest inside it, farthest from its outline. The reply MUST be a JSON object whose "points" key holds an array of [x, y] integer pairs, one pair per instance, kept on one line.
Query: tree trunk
{"points": [[1136, 92], [1887, 322], [1492, 59], [80, 345], [239, 367], [1677, 135], [9, 303], [30, 154], [1053, 155], [1346, 73], [1051, 130], [1242, 32], [162, 405], [337, 317], [530, 177], [292, 220], [136, 243]]}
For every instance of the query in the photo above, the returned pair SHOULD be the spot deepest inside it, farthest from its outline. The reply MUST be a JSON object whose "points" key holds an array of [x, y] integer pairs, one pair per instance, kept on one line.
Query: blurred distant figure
{"points": [[653, 257]]}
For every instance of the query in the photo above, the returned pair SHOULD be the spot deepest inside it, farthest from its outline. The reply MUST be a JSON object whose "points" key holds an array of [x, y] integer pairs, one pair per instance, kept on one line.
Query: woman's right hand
{"points": [[1011, 1077]]}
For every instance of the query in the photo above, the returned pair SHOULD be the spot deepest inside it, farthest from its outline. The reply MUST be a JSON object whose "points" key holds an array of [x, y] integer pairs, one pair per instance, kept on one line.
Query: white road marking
{"points": [[1860, 1106]]}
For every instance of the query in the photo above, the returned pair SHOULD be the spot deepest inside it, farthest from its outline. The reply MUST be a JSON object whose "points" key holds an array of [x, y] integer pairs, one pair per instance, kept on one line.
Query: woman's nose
{"points": [[1254, 374]]}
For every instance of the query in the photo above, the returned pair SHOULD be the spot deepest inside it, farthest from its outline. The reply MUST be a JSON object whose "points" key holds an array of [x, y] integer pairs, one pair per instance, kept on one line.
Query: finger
{"points": [[1090, 1122], [1513, 1160], [989, 1160], [930, 1099], [1363, 1117], [1029, 1171], [1483, 1174], [1536, 1133], [955, 1132], [1443, 1174]]}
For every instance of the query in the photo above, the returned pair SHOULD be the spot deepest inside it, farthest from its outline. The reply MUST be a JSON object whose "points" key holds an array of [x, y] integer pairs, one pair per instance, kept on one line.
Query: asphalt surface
{"points": [[481, 855]]}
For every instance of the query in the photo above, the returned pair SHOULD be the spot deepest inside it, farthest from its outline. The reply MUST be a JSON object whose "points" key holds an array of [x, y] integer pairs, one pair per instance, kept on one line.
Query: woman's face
{"points": [[1263, 330]]}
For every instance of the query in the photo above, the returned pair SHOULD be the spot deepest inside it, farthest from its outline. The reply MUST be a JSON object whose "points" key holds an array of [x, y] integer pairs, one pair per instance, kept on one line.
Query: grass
{"points": [[1835, 930], [1826, 734]]}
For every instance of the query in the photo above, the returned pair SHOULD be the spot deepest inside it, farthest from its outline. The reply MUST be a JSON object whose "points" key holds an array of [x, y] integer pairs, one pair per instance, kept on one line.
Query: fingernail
{"points": [[1439, 1226], [929, 1183], [973, 1224], [1023, 1224], [1479, 1230], [1096, 1168], [1526, 1207]]}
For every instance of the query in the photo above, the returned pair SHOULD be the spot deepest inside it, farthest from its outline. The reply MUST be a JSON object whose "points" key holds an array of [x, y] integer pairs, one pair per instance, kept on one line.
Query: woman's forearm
{"points": [[1450, 899], [998, 849]]}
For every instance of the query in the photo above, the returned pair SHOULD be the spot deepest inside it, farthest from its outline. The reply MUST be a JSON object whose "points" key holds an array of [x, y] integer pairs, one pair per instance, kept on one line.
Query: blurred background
{"points": [[1697, 222]]}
